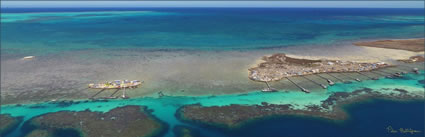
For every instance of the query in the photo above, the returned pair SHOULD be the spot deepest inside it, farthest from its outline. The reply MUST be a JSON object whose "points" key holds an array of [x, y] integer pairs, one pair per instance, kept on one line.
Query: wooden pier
{"points": [[385, 72], [302, 89], [269, 88], [336, 77], [373, 78], [405, 68], [398, 70], [413, 69], [115, 92], [396, 74], [160, 94], [346, 75], [92, 97], [330, 82], [321, 85], [387, 76]]}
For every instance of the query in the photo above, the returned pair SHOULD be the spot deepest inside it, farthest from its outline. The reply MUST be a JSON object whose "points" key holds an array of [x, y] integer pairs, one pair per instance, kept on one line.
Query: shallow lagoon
{"points": [[165, 107]]}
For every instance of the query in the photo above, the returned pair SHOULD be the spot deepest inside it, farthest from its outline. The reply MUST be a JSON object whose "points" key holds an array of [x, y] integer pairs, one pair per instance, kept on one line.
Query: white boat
{"points": [[28, 57], [269, 90]]}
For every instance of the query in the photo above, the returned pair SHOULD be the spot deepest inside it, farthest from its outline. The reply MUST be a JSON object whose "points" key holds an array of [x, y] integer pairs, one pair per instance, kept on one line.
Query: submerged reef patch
{"points": [[233, 116], [8, 123], [186, 131], [127, 121]]}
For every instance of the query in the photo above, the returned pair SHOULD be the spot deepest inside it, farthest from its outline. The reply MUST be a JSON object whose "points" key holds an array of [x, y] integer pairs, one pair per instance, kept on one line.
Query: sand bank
{"points": [[416, 45]]}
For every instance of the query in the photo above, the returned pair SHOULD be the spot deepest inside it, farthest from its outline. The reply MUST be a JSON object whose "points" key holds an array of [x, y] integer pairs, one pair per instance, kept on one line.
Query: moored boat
{"points": [[116, 84]]}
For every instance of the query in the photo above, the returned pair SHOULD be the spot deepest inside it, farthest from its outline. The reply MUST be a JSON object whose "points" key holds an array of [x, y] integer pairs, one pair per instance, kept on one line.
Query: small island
{"points": [[279, 66], [127, 121], [8, 123], [415, 45]]}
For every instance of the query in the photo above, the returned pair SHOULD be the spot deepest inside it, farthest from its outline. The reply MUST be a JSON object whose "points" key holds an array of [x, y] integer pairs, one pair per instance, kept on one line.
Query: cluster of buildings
{"points": [[273, 71], [117, 84]]}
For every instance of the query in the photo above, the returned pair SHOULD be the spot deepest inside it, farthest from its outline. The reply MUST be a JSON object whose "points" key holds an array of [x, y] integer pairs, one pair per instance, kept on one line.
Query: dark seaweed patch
{"points": [[401, 90], [37, 107], [65, 103], [421, 82], [184, 131]]}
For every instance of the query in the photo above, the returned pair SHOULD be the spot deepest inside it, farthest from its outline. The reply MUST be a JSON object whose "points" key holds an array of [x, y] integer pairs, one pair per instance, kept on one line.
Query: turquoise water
{"points": [[41, 31], [165, 107]]}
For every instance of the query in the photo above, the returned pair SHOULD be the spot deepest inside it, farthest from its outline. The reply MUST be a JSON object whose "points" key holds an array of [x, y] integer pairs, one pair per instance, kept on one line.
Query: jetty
{"points": [[302, 89], [124, 96], [330, 82], [389, 75], [321, 85], [92, 97], [380, 74], [406, 67], [398, 70], [384, 72], [413, 69], [268, 89], [373, 78], [348, 76], [161, 94], [396, 74], [112, 95], [335, 77]]}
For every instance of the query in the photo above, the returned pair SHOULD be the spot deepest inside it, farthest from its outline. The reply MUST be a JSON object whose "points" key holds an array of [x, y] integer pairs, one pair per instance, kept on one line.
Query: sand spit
{"points": [[415, 45]]}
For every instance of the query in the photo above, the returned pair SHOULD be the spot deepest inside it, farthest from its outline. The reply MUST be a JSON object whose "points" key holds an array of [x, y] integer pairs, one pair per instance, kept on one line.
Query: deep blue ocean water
{"points": [[200, 28], [367, 119]]}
